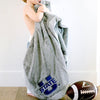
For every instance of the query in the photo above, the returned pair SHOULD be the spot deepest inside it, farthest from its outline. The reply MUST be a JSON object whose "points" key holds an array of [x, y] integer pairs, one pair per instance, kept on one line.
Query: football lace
{"points": [[87, 91]]}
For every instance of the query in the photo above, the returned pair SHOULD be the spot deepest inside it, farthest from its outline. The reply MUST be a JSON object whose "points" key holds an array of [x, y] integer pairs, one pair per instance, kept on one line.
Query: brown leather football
{"points": [[82, 90]]}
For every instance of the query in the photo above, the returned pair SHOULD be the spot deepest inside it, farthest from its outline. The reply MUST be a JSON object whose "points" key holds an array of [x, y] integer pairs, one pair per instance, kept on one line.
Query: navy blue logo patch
{"points": [[48, 87]]}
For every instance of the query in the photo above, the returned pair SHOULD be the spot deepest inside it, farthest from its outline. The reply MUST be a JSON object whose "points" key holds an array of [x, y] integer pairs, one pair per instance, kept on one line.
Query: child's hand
{"points": [[43, 8]]}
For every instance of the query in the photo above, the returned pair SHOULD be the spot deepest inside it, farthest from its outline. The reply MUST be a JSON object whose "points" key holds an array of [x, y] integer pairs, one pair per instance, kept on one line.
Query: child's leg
{"points": [[29, 41], [28, 44], [29, 93]]}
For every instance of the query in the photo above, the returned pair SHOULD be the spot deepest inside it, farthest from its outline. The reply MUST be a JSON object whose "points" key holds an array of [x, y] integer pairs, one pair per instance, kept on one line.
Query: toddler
{"points": [[30, 17]]}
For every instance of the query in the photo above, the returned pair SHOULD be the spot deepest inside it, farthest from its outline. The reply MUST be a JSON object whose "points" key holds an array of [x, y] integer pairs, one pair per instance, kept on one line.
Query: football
{"points": [[82, 90]]}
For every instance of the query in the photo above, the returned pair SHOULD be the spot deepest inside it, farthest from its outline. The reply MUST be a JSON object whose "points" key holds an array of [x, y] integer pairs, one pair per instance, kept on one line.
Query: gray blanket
{"points": [[45, 62]]}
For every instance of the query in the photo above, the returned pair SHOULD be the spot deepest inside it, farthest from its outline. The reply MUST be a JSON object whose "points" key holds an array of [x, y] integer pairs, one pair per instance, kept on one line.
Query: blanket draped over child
{"points": [[45, 62]]}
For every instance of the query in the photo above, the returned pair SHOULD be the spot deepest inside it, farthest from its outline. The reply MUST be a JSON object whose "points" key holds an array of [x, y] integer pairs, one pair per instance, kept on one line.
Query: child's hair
{"points": [[24, 1]]}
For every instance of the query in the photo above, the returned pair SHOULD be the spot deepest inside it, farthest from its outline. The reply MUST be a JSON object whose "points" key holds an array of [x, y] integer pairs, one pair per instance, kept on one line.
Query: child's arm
{"points": [[36, 17], [43, 8]]}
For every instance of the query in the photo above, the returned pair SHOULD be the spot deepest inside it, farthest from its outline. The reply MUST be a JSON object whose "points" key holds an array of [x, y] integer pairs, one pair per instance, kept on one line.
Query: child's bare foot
{"points": [[30, 94]]}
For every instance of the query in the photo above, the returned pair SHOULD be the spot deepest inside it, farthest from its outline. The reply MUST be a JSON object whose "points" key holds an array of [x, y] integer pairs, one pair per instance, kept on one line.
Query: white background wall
{"points": [[98, 45], [78, 15]]}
